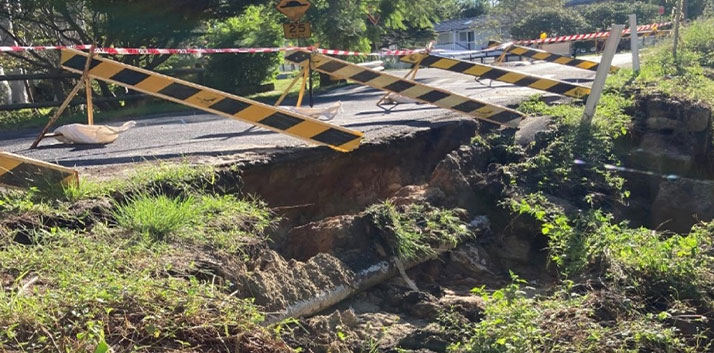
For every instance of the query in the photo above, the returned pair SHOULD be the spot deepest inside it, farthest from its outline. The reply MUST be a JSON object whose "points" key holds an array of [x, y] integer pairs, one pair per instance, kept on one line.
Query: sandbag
{"points": [[90, 134]]}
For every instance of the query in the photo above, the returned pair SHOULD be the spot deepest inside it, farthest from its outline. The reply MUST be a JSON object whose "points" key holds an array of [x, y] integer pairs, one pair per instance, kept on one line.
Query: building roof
{"points": [[572, 3], [460, 24]]}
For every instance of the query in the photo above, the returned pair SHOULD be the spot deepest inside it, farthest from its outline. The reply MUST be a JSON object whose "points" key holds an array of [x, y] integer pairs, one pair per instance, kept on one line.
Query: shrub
{"points": [[243, 73], [554, 22], [698, 37], [603, 15]]}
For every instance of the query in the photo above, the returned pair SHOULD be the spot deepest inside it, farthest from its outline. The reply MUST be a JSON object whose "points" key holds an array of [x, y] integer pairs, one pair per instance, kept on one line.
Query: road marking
{"points": [[408, 88], [499, 74], [215, 101]]}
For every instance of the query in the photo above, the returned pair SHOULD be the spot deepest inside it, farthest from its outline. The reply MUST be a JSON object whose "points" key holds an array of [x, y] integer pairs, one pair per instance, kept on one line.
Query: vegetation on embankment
{"points": [[131, 264], [136, 262], [620, 288]]}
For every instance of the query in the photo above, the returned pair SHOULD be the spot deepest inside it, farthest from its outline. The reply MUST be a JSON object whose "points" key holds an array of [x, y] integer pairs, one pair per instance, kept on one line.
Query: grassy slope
{"points": [[135, 280]]}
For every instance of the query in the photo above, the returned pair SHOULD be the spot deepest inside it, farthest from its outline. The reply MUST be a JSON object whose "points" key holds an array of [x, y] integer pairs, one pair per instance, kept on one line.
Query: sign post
{"points": [[295, 10]]}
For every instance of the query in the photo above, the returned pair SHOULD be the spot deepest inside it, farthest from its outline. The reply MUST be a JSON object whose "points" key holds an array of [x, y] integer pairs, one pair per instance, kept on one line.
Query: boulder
{"points": [[682, 202]]}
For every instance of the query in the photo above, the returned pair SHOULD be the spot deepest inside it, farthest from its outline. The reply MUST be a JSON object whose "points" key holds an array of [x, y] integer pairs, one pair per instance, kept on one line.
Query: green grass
{"points": [[133, 283], [73, 292], [690, 75], [155, 216], [415, 230], [182, 176], [223, 222]]}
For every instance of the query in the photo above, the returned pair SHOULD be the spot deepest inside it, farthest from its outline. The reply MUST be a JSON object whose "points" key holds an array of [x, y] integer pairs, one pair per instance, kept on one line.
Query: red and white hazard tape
{"points": [[193, 51], [590, 36]]}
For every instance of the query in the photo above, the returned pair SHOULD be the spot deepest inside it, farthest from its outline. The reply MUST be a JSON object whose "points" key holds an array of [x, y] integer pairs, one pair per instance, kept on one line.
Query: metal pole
{"points": [[603, 70], [634, 44]]}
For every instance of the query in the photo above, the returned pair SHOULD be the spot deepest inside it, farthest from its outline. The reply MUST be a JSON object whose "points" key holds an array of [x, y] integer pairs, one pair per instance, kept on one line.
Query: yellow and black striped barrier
{"points": [[498, 74], [537, 54], [22, 172], [407, 88], [214, 101]]}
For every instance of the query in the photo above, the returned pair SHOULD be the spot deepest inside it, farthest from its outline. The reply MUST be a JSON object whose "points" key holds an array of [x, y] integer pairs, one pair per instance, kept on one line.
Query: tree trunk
{"points": [[18, 91]]}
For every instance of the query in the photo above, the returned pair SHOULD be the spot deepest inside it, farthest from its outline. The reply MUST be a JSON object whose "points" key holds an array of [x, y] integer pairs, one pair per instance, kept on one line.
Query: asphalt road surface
{"points": [[195, 136]]}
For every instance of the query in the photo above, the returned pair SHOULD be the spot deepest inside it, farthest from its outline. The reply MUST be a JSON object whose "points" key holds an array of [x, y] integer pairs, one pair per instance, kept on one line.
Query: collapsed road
{"points": [[197, 137]]}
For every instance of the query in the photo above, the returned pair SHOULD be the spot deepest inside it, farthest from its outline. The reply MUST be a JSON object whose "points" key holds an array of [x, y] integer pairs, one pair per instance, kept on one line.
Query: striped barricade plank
{"points": [[538, 54], [499, 74], [408, 88], [22, 172], [214, 101]]}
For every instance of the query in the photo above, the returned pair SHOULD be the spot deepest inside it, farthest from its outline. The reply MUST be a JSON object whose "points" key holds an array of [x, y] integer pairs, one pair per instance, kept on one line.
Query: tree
{"points": [[473, 8], [601, 16], [121, 23], [258, 26], [513, 11], [343, 23], [554, 22]]}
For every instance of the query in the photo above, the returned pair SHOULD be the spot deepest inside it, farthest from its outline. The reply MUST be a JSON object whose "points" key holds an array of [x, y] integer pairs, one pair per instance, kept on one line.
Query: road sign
{"points": [[294, 9], [297, 30], [214, 101]]}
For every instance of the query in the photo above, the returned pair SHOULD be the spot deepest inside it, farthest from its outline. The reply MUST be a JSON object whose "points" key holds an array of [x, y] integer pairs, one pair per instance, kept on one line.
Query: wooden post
{"points": [[301, 95], [90, 105], [75, 90], [292, 84]]}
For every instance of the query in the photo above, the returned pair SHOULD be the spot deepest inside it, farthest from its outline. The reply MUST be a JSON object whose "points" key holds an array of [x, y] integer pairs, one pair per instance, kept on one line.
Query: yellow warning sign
{"points": [[294, 9], [297, 30]]}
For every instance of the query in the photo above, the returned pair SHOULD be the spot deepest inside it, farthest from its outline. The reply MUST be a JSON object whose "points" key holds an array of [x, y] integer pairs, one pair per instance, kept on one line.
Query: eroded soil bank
{"points": [[379, 250]]}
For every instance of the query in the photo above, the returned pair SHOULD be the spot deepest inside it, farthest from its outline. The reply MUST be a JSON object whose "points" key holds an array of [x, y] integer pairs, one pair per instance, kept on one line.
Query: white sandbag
{"points": [[324, 113], [90, 134]]}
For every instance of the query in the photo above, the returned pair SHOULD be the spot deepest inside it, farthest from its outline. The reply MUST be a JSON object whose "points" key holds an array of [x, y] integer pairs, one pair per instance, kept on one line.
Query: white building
{"points": [[469, 33]]}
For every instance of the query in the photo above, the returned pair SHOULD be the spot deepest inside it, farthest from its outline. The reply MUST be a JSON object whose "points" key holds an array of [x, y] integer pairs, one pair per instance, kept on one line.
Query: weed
{"points": [[562, 322], [414, 230], [155, 216]]}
